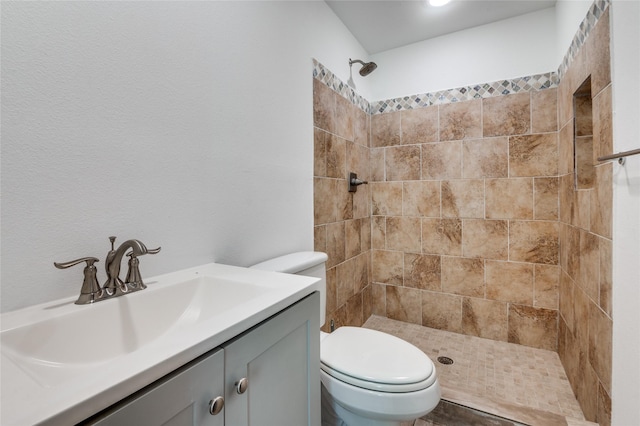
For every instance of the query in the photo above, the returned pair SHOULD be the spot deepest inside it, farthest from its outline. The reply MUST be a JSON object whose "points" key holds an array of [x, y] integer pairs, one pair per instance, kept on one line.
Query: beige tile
{"points": [[588, 273], [319, 153], [442, 311], [585, 174], [358, 160], [385, 129], [387, 267], [362, 127], [545, 200], [565, 149], [403, 234], [345, 118], [600, 345], [544, 111], [354, 315], [604, 407], [506, 115], [463, 276], [484, 318], [332, 291], [320, 238], [566, 198], [378, 232], [367, 302], [324, 107], [422, 271], [583, 116], [461, 120], [442, 160], [463, 198], [404, 304], [352, 238], [442, 236], [509, 198], [421, 198], [343, 200], [535, 327], [533, 155], [602, 124], [580, 216], [386, 198], [345, 281], [485, 158], [419, 125], [566, 308], [360, 201], [336, 151], [402, 163], [534, 242], [546, 285], [378, 295], [606, 280], [599, 56], [487, 239], [325, 209], [335, 243], [365, 234], [602, 201], [376, 164], [509, 282]]}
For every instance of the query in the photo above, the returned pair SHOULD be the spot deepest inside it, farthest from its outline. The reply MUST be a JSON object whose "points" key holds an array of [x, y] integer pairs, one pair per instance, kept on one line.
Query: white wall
{"points": [[625, 34], [505, 49], [187, 125], [569, 15]]}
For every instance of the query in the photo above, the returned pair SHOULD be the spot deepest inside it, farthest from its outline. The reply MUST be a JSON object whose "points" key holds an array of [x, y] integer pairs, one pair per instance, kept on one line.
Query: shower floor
{"points": [[516, 382]]}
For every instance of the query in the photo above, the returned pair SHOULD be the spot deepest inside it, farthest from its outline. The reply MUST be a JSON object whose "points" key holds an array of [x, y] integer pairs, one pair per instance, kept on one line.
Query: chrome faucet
{"points": [[114, 286]]}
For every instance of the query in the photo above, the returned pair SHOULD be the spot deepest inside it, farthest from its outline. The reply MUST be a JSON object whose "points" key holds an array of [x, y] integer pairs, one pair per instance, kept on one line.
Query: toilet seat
{"points": [[377, 361]]}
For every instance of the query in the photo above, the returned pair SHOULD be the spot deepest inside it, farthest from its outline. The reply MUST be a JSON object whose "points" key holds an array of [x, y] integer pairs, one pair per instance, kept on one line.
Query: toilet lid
{"points": [[372, 356]]}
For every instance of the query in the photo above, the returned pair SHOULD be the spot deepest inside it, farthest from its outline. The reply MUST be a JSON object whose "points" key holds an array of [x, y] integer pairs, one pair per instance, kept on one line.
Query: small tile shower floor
{"points": [[492, 370]]}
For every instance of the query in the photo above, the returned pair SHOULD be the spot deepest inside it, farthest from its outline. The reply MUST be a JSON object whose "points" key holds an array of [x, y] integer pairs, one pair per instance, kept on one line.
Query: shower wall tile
{"points": [[362, 128], [545, 202], [531, 326], [602, 201], [420, 125], [421, 198], [386, 198], [506, 115], [463, 198], [442, 236], [461, 120], [378, 232], [510, 198], [463, 276], [345, 118], [319, 153], [402, 163], [320, 238], [533, 241], [605, 278], [599, 54], [442, 160], [602, 124], [510, 282], [485, 158], [379, 302], [403, 234], [385, 130], [324, 211], [600, 342], [589, 274], [376, 164], [387, 267], [422, 271], [484, 318], [404, 304], [358, 161], [544, 111], [546, 286], [336, 154], [442, 311], [565, 149], [335, 243], [324, 107], [353, 238], [533, 155], [486, 239]]}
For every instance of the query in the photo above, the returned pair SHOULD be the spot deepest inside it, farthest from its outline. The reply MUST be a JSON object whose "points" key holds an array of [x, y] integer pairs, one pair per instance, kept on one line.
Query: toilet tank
{"points": [[307, 263]]}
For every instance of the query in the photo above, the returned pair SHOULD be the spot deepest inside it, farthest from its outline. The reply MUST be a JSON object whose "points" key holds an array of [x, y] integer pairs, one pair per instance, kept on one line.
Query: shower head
{"points": [[367, 68]]}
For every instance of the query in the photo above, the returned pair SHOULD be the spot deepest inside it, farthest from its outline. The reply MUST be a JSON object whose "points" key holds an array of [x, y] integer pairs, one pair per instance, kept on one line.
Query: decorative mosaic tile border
{"points": [[320, 72], [479, 91], [588, 23]]}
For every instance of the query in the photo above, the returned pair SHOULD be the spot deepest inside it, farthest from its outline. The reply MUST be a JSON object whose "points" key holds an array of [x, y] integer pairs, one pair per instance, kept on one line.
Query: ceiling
{"points": [[382, 25]]}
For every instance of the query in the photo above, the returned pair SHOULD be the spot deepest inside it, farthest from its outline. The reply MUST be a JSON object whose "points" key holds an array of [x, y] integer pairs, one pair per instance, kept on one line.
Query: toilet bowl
{"points": [[368, 377]]}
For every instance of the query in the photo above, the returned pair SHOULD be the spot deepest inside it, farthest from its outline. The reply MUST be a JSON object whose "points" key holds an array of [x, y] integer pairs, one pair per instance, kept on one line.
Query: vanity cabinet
{"points": [[268, 376]]}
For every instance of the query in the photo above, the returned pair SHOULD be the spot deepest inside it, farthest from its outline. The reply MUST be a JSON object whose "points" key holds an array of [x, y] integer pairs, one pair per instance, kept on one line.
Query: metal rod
{"points": [[619, 155]]}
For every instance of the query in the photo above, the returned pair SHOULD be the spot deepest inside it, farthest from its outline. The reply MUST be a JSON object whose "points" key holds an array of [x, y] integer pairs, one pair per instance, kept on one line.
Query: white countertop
{"points": [[92, 386]]}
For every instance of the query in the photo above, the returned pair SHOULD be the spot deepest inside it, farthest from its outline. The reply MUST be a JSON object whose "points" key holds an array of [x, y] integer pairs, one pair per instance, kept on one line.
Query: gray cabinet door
{"points": [[280, 359], [180, 399]]}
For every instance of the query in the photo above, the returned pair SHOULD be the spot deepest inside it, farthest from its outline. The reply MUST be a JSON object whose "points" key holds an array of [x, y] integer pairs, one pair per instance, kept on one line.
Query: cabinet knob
{"points": [[241, 385], [216, 405]]}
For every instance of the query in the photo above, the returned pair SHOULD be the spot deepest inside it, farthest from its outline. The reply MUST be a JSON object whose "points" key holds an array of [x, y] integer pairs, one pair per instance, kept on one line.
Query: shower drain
{"points": [[445, 360]]}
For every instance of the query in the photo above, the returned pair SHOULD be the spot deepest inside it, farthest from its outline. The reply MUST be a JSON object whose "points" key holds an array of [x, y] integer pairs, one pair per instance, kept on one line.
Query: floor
{"points": [[508, 380]]}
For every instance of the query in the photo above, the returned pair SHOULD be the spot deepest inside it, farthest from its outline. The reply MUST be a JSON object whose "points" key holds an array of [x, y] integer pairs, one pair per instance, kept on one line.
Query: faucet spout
{"points": [[113, 263]]}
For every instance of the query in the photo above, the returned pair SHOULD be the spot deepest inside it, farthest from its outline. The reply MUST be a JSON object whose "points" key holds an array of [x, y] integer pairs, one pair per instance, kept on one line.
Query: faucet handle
{"points": [[90, 291], [134, 278]]}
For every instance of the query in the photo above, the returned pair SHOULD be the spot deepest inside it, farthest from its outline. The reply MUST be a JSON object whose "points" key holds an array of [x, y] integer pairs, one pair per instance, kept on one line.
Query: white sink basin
{"points": [[92, 334]]}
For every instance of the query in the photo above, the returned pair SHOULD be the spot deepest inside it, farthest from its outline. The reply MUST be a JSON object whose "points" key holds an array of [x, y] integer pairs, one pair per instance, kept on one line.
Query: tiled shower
{"points": [[473, 221]]}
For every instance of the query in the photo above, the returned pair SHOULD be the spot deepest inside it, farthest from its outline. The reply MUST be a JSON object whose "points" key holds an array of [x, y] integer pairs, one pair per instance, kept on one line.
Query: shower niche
{"points": [[583, 160]]}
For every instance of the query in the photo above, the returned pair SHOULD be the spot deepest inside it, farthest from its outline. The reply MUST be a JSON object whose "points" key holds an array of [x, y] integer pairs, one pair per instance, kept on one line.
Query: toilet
{"points": [[368, 377]]}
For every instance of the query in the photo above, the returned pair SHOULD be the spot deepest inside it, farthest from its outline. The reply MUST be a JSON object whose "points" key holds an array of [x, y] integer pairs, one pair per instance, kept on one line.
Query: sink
{"points": [[72, 338]]}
